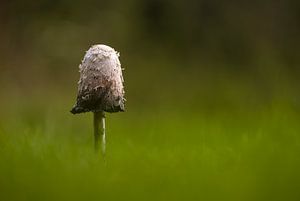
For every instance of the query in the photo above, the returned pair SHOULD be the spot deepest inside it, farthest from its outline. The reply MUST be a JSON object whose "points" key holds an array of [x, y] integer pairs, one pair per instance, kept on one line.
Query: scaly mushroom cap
{"points": [[100, 87]]}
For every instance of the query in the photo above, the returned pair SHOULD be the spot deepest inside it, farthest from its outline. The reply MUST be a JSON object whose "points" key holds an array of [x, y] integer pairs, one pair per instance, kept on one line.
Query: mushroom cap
{"points": [[100, 86]]}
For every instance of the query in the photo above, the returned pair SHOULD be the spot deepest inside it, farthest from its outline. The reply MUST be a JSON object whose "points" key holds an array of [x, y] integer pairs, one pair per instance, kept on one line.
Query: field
{"points": [[167, 152]]}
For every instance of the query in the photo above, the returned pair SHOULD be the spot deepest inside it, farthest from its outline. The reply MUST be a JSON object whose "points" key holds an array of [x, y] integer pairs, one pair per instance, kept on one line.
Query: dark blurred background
{"points": [[195, 54]]}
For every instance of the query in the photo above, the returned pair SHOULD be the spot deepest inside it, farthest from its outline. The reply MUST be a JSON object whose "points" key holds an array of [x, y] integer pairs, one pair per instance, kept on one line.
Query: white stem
{"points": [[99, 131]]}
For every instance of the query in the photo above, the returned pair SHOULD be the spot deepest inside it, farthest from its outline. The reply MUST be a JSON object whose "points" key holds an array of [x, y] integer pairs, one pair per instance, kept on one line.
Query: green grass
{"points": [[248, 154]]}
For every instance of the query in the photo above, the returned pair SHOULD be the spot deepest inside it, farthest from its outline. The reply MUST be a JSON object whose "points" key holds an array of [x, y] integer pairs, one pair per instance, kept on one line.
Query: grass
{"points": [[158, 154]]}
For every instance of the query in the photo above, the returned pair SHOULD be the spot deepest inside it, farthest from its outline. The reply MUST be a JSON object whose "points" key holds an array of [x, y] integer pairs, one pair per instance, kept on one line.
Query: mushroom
{"points": [[100, 88]]}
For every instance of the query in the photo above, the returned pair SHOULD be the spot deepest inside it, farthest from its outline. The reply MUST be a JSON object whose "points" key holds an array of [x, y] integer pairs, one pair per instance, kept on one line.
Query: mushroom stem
{"points": [[99, 131]]}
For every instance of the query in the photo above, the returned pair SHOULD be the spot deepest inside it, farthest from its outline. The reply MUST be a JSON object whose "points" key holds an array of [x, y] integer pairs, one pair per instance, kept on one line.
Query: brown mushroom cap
{"points": [[100, 87]]}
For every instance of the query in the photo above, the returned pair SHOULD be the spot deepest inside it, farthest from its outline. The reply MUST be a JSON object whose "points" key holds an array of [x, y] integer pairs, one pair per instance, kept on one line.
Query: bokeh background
{"points": [[212, 91]]}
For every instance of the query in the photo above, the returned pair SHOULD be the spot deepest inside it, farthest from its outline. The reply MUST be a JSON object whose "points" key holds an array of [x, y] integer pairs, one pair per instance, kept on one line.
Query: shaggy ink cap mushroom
{"points": [[100, 87]]}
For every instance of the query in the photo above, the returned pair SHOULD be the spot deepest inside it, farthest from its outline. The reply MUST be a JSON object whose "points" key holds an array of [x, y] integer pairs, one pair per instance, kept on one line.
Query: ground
{"points": [[47, 154]]}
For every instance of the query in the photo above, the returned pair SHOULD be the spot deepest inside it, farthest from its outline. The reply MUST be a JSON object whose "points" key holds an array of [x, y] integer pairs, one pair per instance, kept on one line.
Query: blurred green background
{"points": [[212, 91]]}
